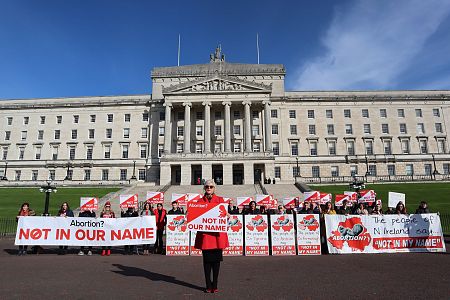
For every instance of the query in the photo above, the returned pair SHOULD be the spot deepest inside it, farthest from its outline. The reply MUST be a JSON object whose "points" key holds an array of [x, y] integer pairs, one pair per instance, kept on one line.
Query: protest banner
{"points": [[308, 234], [353, 196], [180, 198], [290, 202], [192, 250], [85, 232], [339, 199], [227, 199], [324, 198], [395, 198], [256, 235], [243, 201], [210, 217], [177, 235], [127, 201], [194, 197], [312, 196], [88, 203], [235, 236], [265, 200], [283, 234], [155, 197], [384, 233], [367, 196]]}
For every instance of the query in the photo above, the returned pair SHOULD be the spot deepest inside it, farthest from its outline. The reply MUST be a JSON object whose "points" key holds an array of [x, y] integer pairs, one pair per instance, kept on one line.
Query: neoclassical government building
{"points": [[229, 121]]}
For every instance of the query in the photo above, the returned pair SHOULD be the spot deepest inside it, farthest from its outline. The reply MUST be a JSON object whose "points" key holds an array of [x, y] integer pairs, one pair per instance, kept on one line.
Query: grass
{"points": [[12, 198], [437, 195]]}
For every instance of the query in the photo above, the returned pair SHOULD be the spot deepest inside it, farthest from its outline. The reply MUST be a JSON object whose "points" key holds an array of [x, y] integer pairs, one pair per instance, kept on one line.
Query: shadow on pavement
{"points": [[133, 271]]}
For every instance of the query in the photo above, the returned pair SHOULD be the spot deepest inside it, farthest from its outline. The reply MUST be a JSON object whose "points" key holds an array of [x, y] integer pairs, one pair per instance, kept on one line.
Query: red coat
{"points": [[211, 240], [160, 224]]}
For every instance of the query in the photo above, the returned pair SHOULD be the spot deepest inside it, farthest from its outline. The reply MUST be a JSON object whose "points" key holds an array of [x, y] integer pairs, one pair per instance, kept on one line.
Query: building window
{"points": [[330, 129], [401, 113], [127, 117], [89, 151], [310, 114], [34, 175], [18, 174], [161, 131], [329, 114], [125, 151], [199, 130], [76, 119], [409, 169], [405, 146], [427, 169], [293, 129], [7, 135], [418, 113], [403, 129], [292, 114], [40, 135], [21, 152], [123, 174], [179, 148], [58, 119], [180, 131], [199, 115], [42, 121], [105, 174], [237, 147], [446, 169], [26, 120], [145, 117], [353, 170], [218, 114], [180, 115], [198, 148], [423, 146], [110, 118], [5, 153], [256, 147], [51, 175], [365, 113], [313, 148], [236, 114], [91, 133], [347, 113], [255, 114], [312, 129], [275, 129], [87, 175], [334, 171], [367, 129], [294, 149], [274, 113], [332, 148], [141, 174], [385, 128], [237, 129], [438, 127], [55, 152], [74, 134], [160, 150], [162, 116], [420, 128], [383, 113], [436, 112], [108, 133], [72, 152], [276, 148], [315, 171], [218, 147], [144, 132], [23, 135], [217, 130], [92, 118], [9, 120], [277, 171], [372, 170], [391, 170], [37, 155], [126, 133], [369, 147], [348, 129], [350, 147], [387, 147], [441, 146], [143, 150], [255, 130], [107, 151]]}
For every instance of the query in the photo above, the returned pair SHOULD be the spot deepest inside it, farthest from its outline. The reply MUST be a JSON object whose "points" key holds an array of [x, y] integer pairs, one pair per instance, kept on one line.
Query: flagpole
{"points": [[179, 45], [257, 46]]}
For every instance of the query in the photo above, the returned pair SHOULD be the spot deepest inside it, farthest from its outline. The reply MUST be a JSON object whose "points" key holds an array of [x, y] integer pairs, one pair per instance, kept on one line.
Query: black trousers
{"points": [[159, 239], [211, 264]]}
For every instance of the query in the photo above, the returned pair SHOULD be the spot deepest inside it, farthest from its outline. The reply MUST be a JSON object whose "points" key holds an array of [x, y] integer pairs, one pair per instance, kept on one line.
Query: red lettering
{"points": [[24, 234], [80, 234], [138, 233], [116, 235], [36, 234], [126, 234], [101, 235]]}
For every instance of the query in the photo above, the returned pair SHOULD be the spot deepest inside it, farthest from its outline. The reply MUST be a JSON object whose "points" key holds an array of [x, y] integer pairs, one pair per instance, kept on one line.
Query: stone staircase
{"points": [[279, 191]]}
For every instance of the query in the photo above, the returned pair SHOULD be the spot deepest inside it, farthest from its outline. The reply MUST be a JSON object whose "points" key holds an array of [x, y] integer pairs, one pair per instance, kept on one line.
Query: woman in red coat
{"points": [[161, 220], [211, 243]]}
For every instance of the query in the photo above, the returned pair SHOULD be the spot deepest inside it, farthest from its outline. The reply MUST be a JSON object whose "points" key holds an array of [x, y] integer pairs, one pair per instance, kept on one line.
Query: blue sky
{"points": [[105, 47]]}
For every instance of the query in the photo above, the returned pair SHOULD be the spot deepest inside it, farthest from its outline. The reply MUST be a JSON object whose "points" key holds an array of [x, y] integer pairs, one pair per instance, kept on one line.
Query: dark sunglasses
{"points": [[209, 186]]}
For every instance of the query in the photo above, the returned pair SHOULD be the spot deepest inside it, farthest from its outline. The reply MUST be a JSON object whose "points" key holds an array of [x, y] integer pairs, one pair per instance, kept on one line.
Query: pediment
{"points": [[217, 84]]}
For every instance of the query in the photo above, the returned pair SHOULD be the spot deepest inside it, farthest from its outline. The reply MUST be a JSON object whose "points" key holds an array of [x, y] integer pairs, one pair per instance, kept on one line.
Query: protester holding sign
{"points": [[161, 221], [146, 211], [176, 210], [423, 208], [24, 211], [252, 210], [232, 209], [129, 213], [107, 213], [64, 211], [400, 209], [211, 243], [86, 214]]}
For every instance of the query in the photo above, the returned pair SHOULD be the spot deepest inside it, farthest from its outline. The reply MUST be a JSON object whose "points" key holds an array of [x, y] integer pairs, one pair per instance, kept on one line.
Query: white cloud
{"points": [[370, 43]]}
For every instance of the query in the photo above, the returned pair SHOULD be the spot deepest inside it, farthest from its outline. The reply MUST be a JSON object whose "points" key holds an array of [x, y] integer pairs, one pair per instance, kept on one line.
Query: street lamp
{"points": [[47, 189], [134, 171], [68, 171], [435, 172], [297, 174], [6, 169], [367, 166]]}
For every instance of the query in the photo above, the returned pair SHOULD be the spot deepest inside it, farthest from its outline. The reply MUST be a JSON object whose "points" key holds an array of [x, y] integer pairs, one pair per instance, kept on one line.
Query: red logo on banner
{"points": [[352, 232], [258, 223], [178, 222], [235, 224], [283, 223], [309, 222]]}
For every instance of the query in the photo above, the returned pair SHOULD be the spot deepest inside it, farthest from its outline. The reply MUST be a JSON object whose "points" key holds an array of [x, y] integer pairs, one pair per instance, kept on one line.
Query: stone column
{"points": [[206, 170], [227, 123], [186, 174], [207, 123], [227, 173], [168, 129], [267, 127], [165, 176], [187, 127], [248, 129], [249, 176]]}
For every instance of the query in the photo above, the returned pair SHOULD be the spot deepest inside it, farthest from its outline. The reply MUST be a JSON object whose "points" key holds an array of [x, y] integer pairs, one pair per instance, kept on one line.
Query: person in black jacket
{"points": [[64, 211], [129, 213], [423, 208], [176, 210], [252, 210], [86, 214], [345, 209], [232, 209]]}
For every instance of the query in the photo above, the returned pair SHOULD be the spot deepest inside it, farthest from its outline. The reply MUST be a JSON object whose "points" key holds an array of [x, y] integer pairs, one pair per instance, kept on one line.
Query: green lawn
{"points": [[12, 198], [437, 195]]}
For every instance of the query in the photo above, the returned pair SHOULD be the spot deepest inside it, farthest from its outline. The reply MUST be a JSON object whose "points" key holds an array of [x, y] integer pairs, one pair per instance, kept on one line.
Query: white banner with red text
{"points": [[384, 233], [283, 234], [209, 217], [256, 235], [62, 231], [308, 234], [177, 235], [235, 236]]}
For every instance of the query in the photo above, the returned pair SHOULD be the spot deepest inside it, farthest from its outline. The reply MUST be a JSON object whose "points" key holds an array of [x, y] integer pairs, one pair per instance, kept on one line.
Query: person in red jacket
{"points": [[211, 243], [161, 220], [107, 213]]}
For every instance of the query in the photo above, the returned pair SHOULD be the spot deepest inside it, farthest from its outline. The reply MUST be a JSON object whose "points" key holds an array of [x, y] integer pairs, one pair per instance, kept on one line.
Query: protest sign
{"points": [[265, 200], [207, 216], [85, 231], [88, 203], [127, 201], [177, 235], [256, 235], [353, 196], [180, 198], [192, 250], [339, 199], [243, 201], [312, 196], [395, 198], [194, 197], [384, 233], [283, 234], [235, 236], [366, 196], [308, 234], [324, 198], [290, 202], [155, 197]]}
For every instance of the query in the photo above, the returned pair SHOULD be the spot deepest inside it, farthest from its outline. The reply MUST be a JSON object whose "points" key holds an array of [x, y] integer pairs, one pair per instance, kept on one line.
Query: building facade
{"points": [[228, 121]]}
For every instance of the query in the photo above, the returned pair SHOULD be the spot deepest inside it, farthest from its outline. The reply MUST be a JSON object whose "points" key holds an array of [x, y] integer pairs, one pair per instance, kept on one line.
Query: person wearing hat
{"points": [[107, 213], [211, 243]]}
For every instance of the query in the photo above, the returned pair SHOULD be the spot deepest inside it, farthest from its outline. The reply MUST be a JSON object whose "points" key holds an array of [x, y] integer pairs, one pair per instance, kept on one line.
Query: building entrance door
{"points": [[175, 175], [238, 174], [196, 174], [257, 173], [217, 172]]}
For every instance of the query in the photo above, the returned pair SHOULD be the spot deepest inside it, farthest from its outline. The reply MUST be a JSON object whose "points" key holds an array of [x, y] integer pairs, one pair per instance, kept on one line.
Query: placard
{"points": [[88, 203], [367, 196], [243, 201], [235, 236], [290, 202], [177, 235], [308, 234], [283, 234], [395, 198], [194, 197], [127, 201], [208, 217], [256, 235], [324, 198], [312, 196], [155, 197], [340, 198], [180, 198]]}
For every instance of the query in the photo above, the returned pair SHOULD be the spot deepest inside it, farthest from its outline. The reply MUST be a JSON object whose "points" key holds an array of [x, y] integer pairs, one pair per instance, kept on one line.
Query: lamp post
{"points": [[67, 172], [134, 171], [47, 189], [297, 174], [367, 166], [6, 169], [435, 171], [357, 185]]}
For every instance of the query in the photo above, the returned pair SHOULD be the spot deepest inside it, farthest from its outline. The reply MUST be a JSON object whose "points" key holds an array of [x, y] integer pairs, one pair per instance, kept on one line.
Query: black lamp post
{"points": [[435, 172], [134, 171], [47, 189], [6, 169], [367, 166], [297, 174], [67, 172]]}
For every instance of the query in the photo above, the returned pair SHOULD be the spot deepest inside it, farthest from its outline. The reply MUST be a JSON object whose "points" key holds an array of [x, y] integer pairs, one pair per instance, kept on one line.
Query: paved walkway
{"points": [[391, 276]]}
